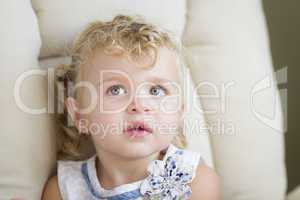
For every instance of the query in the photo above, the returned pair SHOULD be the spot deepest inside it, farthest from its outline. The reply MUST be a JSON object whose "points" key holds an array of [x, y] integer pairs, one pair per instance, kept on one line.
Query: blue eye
{"points": [[116, 90], [158, 91]]}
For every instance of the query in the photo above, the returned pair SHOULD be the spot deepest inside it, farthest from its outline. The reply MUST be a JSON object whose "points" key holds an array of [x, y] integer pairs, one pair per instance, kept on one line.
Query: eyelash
{"points": [[163, 88], [111, 87]]}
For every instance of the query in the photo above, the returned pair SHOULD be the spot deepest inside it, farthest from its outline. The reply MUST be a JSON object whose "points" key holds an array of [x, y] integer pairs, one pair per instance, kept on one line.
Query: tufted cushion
{"points": [[27, 145], [228, 53], [60, 20], [226, 41]]}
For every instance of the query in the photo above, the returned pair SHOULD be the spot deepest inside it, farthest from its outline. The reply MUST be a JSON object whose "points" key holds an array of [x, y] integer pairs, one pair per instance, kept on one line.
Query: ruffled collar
{"points": [[168, 179]]}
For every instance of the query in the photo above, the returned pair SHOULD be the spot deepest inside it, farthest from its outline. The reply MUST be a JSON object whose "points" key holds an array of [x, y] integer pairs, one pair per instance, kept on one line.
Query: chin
{"points": [[138, 150]]}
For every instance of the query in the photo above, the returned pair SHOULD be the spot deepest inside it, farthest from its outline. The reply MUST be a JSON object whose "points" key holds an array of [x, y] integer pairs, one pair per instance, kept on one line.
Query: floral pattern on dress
{"points": [[168, 180]]}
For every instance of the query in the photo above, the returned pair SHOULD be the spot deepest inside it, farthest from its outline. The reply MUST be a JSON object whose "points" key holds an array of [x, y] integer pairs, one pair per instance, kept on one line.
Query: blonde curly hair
{"points": [[130, 35]]}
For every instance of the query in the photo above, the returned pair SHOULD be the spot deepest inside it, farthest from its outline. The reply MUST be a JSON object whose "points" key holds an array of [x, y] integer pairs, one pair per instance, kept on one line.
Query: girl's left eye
{"points": [[158, 91]]}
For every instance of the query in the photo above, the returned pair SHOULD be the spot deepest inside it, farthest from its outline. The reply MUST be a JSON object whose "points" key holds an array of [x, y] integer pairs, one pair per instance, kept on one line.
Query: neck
{"points": [[113, 170]]}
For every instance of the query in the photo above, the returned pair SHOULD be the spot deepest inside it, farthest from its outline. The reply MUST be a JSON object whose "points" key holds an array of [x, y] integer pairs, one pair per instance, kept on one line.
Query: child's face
{"points": [[126, 92]]}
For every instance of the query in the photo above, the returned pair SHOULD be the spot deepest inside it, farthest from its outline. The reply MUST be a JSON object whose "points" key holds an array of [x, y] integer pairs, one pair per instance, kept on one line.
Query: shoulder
{"points": [[206, 184], [51, 190], [69, 171], [72, 177], [65, 170]]}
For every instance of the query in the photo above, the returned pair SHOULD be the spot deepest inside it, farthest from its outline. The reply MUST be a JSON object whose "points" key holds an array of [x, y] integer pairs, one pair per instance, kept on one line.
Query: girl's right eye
{"points": [[116, 90]]}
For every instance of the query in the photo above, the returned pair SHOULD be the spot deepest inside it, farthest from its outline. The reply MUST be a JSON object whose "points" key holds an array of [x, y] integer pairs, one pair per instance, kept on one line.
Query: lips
{"points": [[138, 129]]}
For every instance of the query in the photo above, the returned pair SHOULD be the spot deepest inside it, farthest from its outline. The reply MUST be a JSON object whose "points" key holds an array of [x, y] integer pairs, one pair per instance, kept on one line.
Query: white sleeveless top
{"points": [[168, 179]]}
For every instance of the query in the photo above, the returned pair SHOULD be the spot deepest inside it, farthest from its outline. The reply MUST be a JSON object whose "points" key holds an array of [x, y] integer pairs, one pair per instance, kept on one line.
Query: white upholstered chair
{"points": [[227, 51]]}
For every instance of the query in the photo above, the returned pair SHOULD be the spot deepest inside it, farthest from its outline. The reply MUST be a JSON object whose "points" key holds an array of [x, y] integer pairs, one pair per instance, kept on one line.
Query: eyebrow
{"points": [[159, 79], [154, 79], [111, 78]]}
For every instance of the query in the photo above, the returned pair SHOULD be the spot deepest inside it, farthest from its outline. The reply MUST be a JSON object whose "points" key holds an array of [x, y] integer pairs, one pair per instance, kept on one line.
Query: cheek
{"points": [[162, 139], [168, 123], [171, 104], [104, 124], [113, 105]]}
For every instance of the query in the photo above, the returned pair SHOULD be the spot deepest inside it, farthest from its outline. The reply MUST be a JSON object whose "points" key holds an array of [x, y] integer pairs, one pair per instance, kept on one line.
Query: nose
{"points": [[137, 107]]}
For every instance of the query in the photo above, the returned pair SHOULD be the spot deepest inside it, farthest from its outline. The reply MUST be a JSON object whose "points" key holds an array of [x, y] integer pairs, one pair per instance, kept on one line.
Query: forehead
{"points": [[166, 66]]}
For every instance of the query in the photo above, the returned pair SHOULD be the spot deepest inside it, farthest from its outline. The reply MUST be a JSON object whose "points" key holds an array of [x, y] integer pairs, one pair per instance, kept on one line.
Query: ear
{"points": [[71, 106]]}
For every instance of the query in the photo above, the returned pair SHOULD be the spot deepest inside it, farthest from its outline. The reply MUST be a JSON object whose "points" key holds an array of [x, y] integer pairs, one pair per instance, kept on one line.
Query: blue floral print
{"points": [[168, 180]]}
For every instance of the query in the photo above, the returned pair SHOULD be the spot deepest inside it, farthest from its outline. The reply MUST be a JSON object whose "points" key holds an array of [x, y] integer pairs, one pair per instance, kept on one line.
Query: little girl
{"points": [[128, 100]]}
